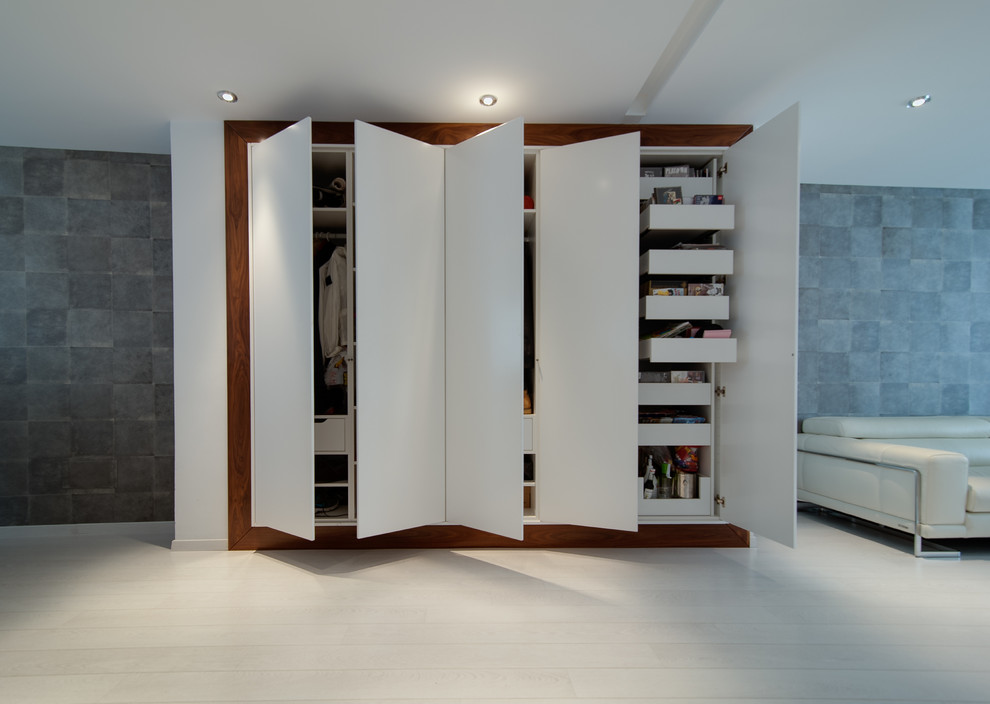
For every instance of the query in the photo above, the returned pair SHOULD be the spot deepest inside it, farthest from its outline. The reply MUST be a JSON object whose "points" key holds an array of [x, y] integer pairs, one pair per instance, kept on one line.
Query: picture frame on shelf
{"points": [[668, 195]]}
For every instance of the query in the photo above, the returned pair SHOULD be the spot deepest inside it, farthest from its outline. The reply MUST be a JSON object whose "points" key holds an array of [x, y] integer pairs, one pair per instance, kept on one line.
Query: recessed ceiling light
{"points": [[919, 101], [227, 96], [488, 100]]}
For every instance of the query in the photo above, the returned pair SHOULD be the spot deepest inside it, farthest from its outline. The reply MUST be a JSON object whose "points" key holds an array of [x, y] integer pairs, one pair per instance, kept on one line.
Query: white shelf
{"points": [[697, 434], [684, 307], [528, 433], [330, 219], [662, 394], [341, 485], [687, 218], [686, 261], [702, 506], [688, 349], [690, 185]]}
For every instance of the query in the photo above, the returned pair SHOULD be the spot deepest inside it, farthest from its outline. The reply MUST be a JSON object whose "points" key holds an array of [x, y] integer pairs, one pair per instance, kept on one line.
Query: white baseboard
{"points": [[212, 544], [163, 529]]}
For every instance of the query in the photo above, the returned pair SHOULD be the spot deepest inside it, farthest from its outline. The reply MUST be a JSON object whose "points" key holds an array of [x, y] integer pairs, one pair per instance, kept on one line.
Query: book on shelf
{"points": [[697, 245], [663, 287], [673, 171], [655, 415], [672, 331], [708, 200], [706, 289]]}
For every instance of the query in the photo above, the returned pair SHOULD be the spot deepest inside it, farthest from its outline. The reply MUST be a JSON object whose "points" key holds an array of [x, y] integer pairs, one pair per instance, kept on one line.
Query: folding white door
{"points": [[281, 257], [484, 330], [756, 432], [588, 327], [399, 330]]}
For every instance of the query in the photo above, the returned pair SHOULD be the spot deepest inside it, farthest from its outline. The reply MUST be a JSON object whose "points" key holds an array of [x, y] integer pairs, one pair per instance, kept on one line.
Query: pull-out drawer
{"points": [[684, 307], [683, 349], [330, 434]]}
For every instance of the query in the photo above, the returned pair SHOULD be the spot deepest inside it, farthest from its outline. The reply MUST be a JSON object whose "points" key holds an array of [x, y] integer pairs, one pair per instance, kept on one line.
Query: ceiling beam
{"points": [[694, 23]]}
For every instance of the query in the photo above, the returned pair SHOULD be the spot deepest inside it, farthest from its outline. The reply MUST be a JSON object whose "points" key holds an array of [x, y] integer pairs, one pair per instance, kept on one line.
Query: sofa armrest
{"points": [[944, 475]]}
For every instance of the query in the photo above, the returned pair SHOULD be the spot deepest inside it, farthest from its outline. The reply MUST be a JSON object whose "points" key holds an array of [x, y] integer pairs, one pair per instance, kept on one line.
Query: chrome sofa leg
{"points": [[940, 551]]}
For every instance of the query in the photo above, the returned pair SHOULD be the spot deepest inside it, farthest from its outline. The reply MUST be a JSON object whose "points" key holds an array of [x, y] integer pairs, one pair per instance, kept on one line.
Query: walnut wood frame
{"points": [[241, 534]]}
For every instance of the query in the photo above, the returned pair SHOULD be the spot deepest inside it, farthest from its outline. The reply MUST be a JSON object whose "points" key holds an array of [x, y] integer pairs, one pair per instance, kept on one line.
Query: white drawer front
{"points": [[660, 394], [684, 307], [697, 434], [330, 434], [686, 261], [702, 506], [684, 349]]}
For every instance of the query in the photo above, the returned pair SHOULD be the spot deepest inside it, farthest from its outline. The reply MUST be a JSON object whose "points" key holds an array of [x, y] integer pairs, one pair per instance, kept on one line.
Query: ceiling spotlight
{"points": [[227, 96], [919, 101], [488, 100]]}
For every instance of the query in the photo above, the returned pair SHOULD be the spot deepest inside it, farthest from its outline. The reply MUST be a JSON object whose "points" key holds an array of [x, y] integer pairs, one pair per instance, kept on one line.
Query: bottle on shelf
{"points": [[666, 486], [650, 480]]}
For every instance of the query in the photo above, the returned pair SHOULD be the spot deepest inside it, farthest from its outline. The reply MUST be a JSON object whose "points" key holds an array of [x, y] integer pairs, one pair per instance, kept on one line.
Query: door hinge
{"points": [[720, 500], [723, 169], [720, 391]]}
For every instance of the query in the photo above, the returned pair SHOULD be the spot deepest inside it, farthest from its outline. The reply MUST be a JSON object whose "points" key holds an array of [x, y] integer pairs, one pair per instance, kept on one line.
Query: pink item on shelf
{"points": [[717, 333]]}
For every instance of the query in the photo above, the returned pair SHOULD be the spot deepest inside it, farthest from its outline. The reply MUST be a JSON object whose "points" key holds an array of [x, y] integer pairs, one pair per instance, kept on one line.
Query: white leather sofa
{"points": [[927, 475]]}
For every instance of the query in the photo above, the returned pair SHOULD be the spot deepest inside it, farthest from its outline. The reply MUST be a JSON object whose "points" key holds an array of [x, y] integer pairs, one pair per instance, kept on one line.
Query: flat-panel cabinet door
{"points": [[399, 331], [484, 323], [588, 213], [282, 331], [757, 435]]}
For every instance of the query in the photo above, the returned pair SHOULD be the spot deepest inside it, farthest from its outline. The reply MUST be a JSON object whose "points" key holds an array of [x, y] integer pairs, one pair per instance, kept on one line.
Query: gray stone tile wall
{"points": [[894, 306], [86, 410]]}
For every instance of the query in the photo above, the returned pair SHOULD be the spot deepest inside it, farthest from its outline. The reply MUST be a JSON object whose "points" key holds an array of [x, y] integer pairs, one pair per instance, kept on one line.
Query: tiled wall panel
{"points": [[894, 308], [85, 337]]}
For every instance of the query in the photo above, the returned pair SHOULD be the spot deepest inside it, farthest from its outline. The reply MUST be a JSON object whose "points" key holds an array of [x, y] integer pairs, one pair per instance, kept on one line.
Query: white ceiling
{"points": [[111, 74]]}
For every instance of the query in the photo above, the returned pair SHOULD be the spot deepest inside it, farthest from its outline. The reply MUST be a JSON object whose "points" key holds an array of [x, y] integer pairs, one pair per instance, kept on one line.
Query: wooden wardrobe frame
{"points": [[241, 534]]}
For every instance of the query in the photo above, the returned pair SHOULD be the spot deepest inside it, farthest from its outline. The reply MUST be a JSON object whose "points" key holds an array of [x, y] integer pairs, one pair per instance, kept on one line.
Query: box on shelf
{"points": [[678, 171], [717, 334], [705, 289], [663, 287], [688, 376], [705, 199]]}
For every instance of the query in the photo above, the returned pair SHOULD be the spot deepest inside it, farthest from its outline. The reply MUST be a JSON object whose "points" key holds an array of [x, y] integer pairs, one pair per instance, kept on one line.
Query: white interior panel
{"points": [[282, 331], [200, 338], [484, 330], [757, 454], [399, 331], [588, 297]]}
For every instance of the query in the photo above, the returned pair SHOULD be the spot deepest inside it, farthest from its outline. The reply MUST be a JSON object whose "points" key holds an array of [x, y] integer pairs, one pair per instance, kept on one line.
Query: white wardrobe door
{"points": [[399, 331], [757, 435], [484, 321], [588, 325], [282, 331]]}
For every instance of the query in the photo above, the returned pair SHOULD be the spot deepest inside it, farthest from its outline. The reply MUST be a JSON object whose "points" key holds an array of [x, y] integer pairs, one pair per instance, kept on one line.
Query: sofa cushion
{"points": [[978, 495], [896, 427], [976, 450]]}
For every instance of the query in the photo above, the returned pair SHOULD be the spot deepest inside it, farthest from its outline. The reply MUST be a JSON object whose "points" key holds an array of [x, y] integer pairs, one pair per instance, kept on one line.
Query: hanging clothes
{"points": [[332, 315]]}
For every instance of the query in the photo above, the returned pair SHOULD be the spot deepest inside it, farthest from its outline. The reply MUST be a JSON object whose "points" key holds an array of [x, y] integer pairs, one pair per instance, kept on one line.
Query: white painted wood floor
{"points": [[850, 615]]}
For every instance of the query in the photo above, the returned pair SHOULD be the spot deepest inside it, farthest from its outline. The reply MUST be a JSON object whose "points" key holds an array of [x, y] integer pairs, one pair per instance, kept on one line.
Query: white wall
{"points": [[200, 338]]}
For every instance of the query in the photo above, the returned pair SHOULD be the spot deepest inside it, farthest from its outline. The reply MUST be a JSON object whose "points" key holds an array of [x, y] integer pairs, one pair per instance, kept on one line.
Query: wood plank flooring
{"points": [[848, 616]]}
